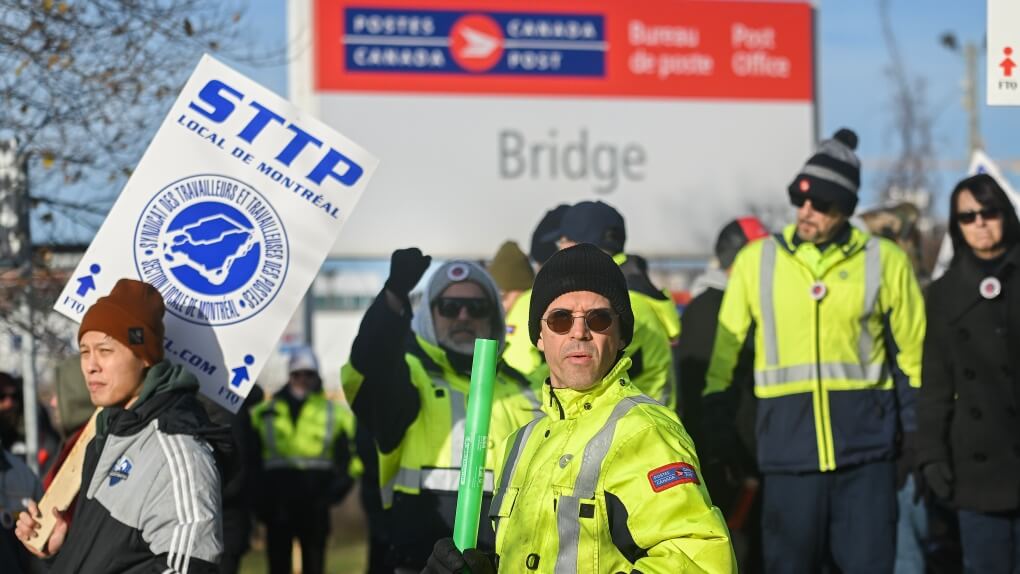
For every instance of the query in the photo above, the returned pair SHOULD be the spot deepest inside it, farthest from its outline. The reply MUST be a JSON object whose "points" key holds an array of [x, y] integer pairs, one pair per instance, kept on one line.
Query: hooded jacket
{"points": [[150, 490], [411, 394]]}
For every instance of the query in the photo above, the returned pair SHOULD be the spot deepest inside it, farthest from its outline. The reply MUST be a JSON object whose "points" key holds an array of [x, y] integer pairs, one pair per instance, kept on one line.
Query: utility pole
{"points": [[16, 251], [970, 97]]}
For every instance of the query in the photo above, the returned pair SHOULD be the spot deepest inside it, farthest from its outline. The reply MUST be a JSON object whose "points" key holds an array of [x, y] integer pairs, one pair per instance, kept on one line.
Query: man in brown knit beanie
{"points": [[131, 317], [153, 490]]}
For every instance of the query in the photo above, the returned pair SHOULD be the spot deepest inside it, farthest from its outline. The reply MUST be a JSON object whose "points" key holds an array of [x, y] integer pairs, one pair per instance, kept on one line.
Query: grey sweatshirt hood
{"points": [[454, 272]]}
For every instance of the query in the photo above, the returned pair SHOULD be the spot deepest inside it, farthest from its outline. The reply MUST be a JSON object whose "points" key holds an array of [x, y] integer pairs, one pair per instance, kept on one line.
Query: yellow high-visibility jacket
{"points": [[428, 458], [660, 301], [308, 443], [519, 353], [838, 339], [606, 481]]}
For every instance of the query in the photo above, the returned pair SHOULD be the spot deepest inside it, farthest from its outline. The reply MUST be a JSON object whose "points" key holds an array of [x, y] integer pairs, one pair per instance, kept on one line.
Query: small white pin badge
{"points": [[457, 272], [818, 290], [990, 287]]}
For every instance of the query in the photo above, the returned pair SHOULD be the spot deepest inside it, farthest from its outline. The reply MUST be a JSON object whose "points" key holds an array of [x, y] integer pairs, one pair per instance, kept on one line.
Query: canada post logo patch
{"points": [[671, 475], [473, 42]]}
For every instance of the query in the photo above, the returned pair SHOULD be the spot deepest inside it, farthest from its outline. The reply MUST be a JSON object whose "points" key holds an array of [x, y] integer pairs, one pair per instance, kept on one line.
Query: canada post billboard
{"points": [[682, 114]]}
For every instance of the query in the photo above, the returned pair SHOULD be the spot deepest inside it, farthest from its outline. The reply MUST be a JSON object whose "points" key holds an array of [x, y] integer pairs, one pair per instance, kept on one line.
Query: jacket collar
{"points": [[566, 403], [849, 242], [966, 275], [163, 378]]}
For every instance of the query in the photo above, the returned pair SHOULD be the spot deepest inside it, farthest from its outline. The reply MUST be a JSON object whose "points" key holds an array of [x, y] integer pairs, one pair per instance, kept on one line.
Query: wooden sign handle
{"points": [[64, 487]]}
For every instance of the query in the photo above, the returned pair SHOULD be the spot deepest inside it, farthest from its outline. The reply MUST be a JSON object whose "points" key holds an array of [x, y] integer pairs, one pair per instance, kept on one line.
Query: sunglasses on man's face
{"points": [[986, 213], [560, 321], [819, 205], [450, 307]]}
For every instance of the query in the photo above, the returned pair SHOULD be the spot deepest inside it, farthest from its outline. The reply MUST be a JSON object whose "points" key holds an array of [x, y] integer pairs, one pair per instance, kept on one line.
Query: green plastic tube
{"points": [[476, 438]]}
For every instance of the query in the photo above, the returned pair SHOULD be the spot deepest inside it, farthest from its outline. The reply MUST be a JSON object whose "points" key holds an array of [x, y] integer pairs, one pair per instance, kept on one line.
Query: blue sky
{"points": [[854, 88]]}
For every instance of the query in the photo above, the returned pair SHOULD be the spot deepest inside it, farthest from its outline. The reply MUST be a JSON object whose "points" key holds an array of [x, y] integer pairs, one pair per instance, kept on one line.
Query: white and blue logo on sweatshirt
{"points": [[120, 471]]}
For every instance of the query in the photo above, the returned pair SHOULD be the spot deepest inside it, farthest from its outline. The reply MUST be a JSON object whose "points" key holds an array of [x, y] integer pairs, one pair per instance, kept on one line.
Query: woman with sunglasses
{"points": [[969, 443]]}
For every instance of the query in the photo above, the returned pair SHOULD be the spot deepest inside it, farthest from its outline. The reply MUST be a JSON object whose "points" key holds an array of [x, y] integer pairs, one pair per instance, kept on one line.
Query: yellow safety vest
{"points": [[823, 372], [519, 353], [430, 455], [308, 443], [564, 473]]}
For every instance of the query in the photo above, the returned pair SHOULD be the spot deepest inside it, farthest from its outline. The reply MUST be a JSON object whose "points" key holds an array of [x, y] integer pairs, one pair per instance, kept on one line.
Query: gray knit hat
{"points": [[832, 174]]}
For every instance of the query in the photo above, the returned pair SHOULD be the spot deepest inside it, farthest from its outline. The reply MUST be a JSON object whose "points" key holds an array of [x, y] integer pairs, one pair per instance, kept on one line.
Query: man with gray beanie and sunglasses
{"points": [[607, 479], [838, 328], [407, 381]]}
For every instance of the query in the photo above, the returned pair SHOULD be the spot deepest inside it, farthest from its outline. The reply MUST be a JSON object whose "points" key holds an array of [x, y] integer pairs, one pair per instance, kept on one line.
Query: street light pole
{"points": [[970, 97]]}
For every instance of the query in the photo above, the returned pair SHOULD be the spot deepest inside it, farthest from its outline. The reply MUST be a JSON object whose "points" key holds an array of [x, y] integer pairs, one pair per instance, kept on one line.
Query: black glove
{"points": [[939, 478], [406, 268], [446, 559]]}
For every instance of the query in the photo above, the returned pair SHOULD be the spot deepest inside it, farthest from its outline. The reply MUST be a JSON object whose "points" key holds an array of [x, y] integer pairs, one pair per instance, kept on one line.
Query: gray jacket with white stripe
{"points": [[150, 492]]}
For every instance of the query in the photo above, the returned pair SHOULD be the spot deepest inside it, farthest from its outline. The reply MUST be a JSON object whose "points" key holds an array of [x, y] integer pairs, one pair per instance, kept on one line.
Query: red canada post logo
{"points": [[476, 42]]}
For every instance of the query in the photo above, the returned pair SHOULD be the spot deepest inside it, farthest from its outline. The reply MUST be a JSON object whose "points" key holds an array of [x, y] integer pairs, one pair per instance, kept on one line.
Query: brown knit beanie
{"points": [[511, 268], [133, 314]]}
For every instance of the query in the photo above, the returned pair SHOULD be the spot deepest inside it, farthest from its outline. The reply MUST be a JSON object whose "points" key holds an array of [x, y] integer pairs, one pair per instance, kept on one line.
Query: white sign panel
{"points": [[979, 163], [680, 113], [1003, 58], [230, 213]]}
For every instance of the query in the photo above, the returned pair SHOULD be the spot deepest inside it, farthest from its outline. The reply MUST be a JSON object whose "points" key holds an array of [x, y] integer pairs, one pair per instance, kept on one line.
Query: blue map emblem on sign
{"points": [[214, 247]]}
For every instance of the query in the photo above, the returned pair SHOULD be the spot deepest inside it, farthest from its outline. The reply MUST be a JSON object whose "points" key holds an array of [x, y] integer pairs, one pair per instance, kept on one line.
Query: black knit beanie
{"points": [[833, 173], [542, 245], [582, 267]]}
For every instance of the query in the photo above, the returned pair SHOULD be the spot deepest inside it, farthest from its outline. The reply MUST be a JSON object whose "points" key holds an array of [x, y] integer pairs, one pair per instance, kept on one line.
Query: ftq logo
{"points": [[458, 42], [214, 247]]}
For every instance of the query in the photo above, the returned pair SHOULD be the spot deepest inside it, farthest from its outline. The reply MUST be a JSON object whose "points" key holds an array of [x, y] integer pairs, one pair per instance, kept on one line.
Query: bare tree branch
{"points": [[912, 176]]}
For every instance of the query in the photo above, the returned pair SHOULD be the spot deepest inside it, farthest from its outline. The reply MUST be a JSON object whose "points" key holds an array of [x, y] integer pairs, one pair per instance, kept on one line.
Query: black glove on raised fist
{"points": [[446, 559], [939, 478], [406, 268]]}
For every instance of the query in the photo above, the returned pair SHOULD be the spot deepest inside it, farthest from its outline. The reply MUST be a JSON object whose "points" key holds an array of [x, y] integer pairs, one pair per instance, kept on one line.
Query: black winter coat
{"points": [[967, 408]]}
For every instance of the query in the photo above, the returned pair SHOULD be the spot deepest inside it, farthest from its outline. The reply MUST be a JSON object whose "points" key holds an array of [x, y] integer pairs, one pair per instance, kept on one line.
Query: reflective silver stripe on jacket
{"points": [[458, 416], [872, 280], [448, 479], [861, 370], [529, 393], [797, 373], [568, 520], [435, 479], [407, 477], [511, 465], [768, 310]]}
